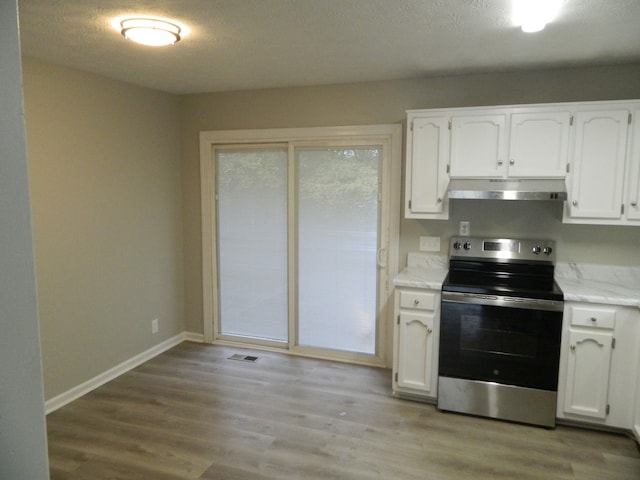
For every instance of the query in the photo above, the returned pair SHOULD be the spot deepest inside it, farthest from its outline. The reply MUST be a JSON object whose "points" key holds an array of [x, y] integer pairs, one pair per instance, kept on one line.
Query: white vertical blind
{"points": [[337, 205], [252, 242]]}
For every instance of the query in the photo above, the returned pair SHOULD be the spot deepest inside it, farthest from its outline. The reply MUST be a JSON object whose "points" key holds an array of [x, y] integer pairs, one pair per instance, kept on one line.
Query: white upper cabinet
{"points": [[478, 146], [598, 168], [520, 144], [632, 205], [426, 167], [539, 144], [595, 146]]}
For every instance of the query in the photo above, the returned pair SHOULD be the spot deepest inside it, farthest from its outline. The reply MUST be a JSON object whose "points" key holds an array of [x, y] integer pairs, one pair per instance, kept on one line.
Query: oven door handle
{"points": [[503, 301]]}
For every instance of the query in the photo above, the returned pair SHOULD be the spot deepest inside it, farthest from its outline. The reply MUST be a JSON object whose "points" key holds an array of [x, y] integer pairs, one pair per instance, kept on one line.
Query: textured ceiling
{"points": [[251, 44]]}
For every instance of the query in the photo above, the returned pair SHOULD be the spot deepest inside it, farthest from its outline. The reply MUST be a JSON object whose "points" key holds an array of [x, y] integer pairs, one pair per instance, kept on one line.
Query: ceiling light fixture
{"points": [[533, 15], [150, 31]]}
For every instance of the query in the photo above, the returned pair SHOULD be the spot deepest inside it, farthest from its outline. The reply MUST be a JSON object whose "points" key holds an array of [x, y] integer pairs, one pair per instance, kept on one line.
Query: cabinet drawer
{"points": [[593, 317], [421, 300]]}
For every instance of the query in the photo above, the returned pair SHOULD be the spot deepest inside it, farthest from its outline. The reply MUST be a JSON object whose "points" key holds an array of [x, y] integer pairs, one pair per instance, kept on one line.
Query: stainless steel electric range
{"points": [[500, 330]]}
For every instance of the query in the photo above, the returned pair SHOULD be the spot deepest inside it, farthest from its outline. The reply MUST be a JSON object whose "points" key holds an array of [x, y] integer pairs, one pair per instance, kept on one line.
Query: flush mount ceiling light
{"points": [[533, 15], [150, 31]]}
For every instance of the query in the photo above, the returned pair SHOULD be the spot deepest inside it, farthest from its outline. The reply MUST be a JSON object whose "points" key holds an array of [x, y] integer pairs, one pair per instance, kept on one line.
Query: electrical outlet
{"points": [[465, 229], [154, 325], [429, 244]]}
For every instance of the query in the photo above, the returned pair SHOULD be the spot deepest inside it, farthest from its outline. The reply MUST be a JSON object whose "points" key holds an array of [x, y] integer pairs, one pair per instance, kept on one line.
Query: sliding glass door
{"points": [[296, 239]]}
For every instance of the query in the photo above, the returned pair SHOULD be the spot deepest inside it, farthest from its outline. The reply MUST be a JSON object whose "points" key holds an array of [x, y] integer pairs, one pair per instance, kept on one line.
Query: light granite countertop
{"points": [[423, 271], [612, 285]]}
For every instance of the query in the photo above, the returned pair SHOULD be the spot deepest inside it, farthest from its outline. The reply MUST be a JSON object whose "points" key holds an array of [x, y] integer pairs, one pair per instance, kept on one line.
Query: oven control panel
{"points": [[502, 249]]}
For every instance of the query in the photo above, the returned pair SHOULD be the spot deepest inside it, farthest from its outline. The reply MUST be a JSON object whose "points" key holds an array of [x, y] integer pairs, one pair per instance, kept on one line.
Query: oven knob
{"points": [[536, 250], [467, 245], [547, 250], [457, 245]]}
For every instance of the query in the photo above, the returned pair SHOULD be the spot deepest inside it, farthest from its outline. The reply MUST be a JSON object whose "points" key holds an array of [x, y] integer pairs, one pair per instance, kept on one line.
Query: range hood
{"points": [[508, 189]]}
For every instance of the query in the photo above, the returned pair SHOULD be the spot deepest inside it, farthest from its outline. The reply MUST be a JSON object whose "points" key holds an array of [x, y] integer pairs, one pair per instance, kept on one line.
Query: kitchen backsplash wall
{"points": [[527, 219]]}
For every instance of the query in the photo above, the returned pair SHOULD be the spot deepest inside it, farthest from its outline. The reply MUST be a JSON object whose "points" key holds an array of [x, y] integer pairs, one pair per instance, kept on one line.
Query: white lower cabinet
{"points": [[416, 332], [588, 368], [636, 409], [599, 364]]}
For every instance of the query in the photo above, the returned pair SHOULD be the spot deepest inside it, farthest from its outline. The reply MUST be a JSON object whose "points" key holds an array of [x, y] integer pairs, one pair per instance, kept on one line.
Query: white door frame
{"points": [[389, 136]]}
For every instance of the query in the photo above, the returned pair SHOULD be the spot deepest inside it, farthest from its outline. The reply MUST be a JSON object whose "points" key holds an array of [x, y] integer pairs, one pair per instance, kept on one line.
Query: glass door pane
{"points": [[337, 232], [251, 187]]}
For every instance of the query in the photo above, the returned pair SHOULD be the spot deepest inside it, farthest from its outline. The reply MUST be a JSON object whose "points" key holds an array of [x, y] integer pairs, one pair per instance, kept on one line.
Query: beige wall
{"points": [[116, 199], [104, 160], [386, 102]]}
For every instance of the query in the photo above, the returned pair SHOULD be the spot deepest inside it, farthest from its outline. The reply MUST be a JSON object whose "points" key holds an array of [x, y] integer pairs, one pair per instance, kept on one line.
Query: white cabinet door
{"points": [[636, 412], [599, 365], [538, 144], [598, 165], [588, 367], [633, 192], [426, 171], [478, 146], [416, 359]]}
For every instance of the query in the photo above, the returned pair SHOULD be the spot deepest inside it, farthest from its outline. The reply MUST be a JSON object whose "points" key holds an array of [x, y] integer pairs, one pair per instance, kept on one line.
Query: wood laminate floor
{"points": [[192, 413]]}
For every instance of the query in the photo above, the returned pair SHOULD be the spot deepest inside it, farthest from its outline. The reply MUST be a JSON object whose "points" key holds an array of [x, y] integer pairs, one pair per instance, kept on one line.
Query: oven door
{"points": [[507, 340]]}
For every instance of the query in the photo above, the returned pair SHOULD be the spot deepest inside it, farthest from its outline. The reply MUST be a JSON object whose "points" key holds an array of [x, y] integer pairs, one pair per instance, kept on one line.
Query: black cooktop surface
{"points": [[508, 279]]}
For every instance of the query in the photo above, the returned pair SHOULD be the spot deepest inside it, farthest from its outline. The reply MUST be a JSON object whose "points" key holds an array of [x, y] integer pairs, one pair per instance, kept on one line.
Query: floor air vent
{"points": [[243, 358]]}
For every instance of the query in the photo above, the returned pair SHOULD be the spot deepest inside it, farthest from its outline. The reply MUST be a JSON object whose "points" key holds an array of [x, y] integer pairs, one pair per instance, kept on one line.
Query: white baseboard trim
{"points": [[194, 337], [76, 392]]}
